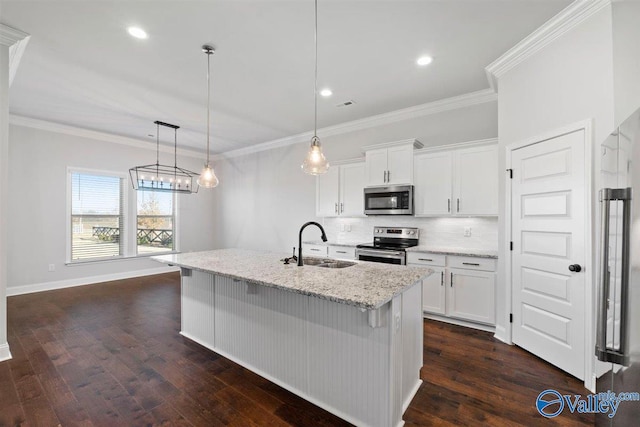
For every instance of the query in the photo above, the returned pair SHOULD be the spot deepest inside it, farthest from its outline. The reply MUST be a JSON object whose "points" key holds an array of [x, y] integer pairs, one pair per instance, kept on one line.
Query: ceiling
{"points": [[82, 68]]}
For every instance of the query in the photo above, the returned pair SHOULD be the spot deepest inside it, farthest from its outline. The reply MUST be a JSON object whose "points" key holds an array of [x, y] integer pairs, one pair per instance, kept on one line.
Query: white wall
{"points": [[568, 81], [264, 198], [4, 166], [626, 58], [37, 206]]}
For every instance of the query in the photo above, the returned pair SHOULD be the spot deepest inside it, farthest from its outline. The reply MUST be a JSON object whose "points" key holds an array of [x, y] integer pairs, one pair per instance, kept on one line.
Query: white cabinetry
{"points": [[460, 287], [457, 182], [309, 249], [390, 164], [433, 173], [342, 252], [339, 192], [475, 183]]}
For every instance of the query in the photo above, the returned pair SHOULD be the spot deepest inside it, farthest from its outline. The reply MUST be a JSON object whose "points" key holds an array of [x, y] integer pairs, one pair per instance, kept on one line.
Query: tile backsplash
{"points": [[436, 231]]}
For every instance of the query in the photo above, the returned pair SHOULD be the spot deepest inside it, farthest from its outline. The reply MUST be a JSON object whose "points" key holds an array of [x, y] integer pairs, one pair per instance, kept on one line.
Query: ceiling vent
{"points": [[346, 103]]}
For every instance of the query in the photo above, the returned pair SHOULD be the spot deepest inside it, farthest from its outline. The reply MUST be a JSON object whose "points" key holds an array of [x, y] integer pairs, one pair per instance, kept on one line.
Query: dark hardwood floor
{"points": [[110, 355]]}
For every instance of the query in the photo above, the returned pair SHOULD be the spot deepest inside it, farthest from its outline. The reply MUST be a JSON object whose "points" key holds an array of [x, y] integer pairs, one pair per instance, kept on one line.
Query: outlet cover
{"points": [[467, 232], [52, 267]]}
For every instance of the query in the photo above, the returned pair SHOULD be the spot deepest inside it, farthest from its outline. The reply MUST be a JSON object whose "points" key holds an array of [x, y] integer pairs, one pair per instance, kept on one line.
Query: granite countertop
{"points": [[453, 250], [366, 285]]}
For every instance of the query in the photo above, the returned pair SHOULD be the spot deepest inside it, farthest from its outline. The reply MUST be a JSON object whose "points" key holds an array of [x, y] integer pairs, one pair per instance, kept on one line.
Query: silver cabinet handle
{"points": [[424, 259], [458, 205], [388, 176], [341, 207], [604, 353], [451, 281], [336, 207], [442, 278], [341, 252], [385, 176], [471, 263], [448, 205], [316, 250]]}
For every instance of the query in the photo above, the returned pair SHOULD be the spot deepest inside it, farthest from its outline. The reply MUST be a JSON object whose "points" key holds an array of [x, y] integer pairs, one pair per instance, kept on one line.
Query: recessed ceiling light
{"points": [[137, 32], [326, 92], [424, 60]]}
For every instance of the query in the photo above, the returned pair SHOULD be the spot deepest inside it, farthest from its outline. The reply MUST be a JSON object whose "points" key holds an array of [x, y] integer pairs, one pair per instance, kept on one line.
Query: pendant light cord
{"points": [[157, 143], [315, 87], [208, 101]]}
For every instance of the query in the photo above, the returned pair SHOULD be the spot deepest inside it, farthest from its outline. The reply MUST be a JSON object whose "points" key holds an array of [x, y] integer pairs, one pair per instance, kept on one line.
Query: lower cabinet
{"points": [[460, 287]]}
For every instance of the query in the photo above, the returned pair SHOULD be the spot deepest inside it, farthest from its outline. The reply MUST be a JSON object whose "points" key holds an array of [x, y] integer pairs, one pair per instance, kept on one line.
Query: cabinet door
{"points": [[376, 167], [434, 291], [352, 190], [476, 181], [400, 164], [432, 176], [471, 295], [327, 186]]}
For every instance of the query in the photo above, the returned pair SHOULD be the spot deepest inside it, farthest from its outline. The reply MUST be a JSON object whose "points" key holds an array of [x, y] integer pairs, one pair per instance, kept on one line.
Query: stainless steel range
{"points": [[389, 244]]}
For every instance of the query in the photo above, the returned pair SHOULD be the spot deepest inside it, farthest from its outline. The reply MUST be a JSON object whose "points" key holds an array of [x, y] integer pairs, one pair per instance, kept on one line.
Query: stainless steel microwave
{"points": [[392, 200]]}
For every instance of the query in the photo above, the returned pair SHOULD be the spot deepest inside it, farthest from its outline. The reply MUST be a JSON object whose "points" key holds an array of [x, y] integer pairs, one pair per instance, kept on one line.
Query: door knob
{"points": [[575, 268]]}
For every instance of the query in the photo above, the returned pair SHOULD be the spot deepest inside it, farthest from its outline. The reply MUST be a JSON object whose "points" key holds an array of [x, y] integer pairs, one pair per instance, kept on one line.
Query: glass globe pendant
{"points": [[208, 178]]}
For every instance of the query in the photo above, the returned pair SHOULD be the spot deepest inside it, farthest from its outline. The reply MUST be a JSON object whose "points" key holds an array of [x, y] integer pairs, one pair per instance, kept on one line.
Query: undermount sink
{"points": [[327, 263]]}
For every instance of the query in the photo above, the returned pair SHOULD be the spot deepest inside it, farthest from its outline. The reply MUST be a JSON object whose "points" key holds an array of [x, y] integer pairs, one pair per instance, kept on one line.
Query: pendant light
{"points": [[159, 177], [208, 178], [315, 163]]}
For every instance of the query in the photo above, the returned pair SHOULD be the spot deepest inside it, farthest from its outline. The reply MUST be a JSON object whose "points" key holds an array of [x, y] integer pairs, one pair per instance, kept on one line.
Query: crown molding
{"points": [[457, 146], [17, 41], [442, 105], [10, 36], [571, 16], [414, 142], [96, 135]]}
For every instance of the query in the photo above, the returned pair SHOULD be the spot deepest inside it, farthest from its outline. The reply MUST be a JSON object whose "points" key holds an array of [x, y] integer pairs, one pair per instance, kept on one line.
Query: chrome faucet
{"points": [[323, 237]]}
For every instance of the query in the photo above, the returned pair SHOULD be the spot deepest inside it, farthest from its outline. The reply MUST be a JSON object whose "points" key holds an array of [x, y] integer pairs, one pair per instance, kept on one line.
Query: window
{"points": [[155, 222], [110, 221], [97, 216]]}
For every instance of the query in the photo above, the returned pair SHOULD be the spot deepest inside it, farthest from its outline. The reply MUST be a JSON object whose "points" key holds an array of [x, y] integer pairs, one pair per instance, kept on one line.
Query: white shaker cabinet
{"points": [[340, 191], [475, 184], [391, 164], [433, 173], [460, 288], [457, 182]]}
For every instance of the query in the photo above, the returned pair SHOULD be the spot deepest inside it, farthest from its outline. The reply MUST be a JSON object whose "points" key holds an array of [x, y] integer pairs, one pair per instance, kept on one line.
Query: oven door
{"points": [[381, 255], [396, 200]]}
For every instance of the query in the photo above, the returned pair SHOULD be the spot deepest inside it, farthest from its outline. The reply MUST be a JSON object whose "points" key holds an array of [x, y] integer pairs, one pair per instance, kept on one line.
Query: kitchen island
{"points": [[348, 340]]}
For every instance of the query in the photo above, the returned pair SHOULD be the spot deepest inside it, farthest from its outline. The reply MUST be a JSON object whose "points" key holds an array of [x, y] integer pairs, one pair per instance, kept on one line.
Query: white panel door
{"points": [[476, 181], [400, 164], [327, 193], [376, 166], [352, 190], [432, 174], [548, 232]]}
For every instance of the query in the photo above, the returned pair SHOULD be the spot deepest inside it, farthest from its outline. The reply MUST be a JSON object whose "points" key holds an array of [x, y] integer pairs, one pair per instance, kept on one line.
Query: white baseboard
{"points": [[60, 284], [5, 354], [501, 334]]}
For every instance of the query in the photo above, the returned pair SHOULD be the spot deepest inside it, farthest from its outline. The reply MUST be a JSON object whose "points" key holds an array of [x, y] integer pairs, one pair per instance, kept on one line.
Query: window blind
{"points": [[97, 217]]}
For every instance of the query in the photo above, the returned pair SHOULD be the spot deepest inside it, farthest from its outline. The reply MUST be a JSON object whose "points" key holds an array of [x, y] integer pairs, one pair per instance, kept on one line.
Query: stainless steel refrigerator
{"points": [[618, 290]]}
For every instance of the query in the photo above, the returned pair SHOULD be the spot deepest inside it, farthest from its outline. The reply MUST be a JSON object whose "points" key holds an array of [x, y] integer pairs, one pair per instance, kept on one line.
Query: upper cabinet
{"points": [[475, 183], [339, 192], [390, 163], [457, 182]]}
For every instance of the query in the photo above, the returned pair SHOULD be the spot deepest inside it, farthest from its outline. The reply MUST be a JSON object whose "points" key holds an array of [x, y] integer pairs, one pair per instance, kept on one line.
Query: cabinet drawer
{"points": [[426, 259], [472, 263], [342, 252], [314, 250]]}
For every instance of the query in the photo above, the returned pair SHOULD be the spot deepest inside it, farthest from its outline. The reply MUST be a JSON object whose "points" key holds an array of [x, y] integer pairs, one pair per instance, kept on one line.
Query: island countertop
{"points": [[366, 285]]}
